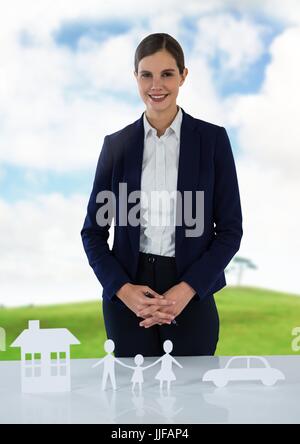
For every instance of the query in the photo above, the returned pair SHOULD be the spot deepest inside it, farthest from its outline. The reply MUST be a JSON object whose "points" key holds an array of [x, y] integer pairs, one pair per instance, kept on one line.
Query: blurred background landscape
{"points": [[66, 80], [252, 322]]}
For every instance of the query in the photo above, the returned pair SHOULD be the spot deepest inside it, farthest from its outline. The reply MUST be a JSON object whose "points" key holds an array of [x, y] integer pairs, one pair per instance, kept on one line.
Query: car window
{"points": [[256, 363], [238, 363]]}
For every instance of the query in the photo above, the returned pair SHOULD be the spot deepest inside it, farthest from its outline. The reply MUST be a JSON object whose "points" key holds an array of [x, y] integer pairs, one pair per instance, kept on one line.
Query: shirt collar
{"points": [[175, 125]]}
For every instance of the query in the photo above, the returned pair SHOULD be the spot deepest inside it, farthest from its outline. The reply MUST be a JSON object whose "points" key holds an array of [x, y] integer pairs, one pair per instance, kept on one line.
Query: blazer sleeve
{"points": [[106, 267], [203, 273]]}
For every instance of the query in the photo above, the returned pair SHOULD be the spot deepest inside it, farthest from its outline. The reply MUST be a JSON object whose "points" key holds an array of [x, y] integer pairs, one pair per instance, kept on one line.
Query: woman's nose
{"points": [[156, 83]]}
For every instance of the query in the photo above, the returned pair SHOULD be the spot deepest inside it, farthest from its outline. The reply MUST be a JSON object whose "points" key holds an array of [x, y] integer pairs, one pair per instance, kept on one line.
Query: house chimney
{"points": [[33, 325]]}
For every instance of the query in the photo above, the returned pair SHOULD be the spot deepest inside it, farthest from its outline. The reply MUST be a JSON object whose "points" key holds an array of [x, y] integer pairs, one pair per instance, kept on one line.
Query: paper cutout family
{"points": [[165, 374], [45, 363]]}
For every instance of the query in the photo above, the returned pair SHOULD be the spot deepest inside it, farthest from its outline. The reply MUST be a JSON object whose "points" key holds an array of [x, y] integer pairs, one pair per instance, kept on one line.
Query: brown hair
{"points": [[157, 42]]}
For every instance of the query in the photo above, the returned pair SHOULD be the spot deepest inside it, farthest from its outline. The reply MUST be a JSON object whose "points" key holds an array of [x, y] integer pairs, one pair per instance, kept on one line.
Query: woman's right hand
{"points": [[135, 299]]}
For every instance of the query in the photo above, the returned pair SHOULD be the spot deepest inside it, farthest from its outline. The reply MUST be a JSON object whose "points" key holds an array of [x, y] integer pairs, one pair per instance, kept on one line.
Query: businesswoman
{"points": [[159, 279]]}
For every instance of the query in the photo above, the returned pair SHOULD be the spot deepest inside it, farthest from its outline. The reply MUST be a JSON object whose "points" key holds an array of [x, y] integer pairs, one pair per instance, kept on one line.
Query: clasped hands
{"points": [[157, 309]]}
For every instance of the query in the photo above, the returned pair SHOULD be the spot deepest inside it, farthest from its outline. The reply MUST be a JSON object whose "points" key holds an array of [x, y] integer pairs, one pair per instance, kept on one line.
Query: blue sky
{"points": [[68, 81], [71, 32], [18, 182]]}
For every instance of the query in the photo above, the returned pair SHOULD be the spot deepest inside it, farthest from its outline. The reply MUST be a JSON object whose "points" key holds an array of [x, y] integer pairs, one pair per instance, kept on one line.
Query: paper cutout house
{"points": [[45, 358]]}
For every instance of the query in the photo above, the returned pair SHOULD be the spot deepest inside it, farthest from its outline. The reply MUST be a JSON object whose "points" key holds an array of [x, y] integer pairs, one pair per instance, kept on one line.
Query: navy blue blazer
{"points": [[206, 164]]}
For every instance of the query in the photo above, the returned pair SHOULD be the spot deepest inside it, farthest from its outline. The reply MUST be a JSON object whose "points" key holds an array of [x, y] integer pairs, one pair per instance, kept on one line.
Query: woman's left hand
{"points": [[180, 293]]}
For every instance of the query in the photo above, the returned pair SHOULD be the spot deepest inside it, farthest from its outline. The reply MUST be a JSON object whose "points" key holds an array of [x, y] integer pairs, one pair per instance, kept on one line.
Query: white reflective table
{"points": [[190, 400]]}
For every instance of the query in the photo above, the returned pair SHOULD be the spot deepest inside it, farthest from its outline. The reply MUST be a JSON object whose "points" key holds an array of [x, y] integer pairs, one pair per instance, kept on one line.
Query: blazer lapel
{"points": [[133, 163], [188, 169]]}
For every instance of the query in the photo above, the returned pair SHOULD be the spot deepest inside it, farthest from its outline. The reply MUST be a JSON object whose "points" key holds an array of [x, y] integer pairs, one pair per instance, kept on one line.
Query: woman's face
{"points": [[158, 75]]}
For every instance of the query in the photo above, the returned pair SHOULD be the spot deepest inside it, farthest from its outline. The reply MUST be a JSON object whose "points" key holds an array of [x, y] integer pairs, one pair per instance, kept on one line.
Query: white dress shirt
{"points": [[159, 173]]}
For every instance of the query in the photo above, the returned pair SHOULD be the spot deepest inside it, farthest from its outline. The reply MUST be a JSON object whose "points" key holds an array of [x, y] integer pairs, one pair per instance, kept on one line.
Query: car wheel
{"points": [[269, 381], [220, 382]]}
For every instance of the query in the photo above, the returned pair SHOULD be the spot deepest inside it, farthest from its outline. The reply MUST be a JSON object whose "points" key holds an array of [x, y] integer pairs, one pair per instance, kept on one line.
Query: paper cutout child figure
{"points": [[166, 373], [137, 376], [109, 364]]}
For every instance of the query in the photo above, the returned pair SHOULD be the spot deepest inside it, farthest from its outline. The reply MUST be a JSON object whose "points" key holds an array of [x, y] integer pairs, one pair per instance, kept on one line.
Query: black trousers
{"points": [[196, 334]]}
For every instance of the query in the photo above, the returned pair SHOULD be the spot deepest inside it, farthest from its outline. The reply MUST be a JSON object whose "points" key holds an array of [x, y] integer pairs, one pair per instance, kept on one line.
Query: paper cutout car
{"points": [[266, 374]]}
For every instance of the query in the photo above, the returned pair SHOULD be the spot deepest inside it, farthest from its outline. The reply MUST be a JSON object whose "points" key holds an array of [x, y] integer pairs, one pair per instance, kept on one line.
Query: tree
{"points": [[238, 265]]}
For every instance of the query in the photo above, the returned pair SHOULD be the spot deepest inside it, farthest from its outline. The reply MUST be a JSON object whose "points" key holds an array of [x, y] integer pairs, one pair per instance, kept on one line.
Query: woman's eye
{"points": [[167, 74]]}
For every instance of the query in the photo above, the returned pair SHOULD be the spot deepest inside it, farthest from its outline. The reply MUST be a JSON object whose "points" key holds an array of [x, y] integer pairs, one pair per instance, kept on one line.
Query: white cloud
{"points": [[268, 122], [284, 13], [57, 105], [42, 259], [198, 95], [238, 42], [270, 223], [269, 136], [55, 113], [46, 121]]}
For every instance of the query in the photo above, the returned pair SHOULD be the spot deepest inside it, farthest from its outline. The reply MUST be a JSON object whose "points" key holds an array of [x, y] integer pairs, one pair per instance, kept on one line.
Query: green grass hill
{"points": [[252, 321]]}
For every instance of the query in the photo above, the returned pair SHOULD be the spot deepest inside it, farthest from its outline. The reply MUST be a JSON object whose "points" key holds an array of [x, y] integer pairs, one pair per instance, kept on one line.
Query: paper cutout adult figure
{"points": [[109, 364], [166, 373]]}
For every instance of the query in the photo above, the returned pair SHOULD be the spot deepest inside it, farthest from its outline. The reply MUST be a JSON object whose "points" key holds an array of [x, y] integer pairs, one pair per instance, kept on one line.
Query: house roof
{"points": [[53, 339]]}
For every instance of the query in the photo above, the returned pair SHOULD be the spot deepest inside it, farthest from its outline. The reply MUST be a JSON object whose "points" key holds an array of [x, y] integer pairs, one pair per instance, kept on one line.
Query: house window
{"points": [[28, 358], [28, 372], [37, 371], [63, 370], [62, 357], [32, 365], [58, 364], [53, 370], [53, 358], [37, 358]]}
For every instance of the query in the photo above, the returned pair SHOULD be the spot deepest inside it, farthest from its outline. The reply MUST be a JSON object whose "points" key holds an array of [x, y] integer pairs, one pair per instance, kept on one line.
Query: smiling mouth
{"points": [[158, 97]]}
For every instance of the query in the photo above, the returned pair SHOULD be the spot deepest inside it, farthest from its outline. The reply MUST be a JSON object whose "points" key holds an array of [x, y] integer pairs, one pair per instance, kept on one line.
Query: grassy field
{"points": [[252, 321]]}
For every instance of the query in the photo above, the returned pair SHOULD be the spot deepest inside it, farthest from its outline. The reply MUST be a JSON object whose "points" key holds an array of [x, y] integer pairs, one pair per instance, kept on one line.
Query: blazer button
{"points": [[151, 259]]}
